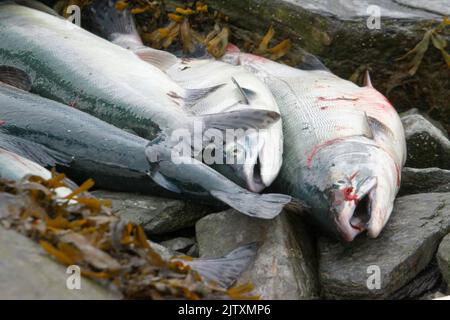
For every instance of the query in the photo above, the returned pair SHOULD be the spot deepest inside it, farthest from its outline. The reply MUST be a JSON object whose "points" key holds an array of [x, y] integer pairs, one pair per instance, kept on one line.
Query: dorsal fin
{"points": [[247, 94], [15, 77], [367, 82], [160, 59]]}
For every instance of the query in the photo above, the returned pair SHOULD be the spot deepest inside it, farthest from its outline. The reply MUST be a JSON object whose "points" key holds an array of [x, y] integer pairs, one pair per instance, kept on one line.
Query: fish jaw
{"points": [[271, 153], [251, 169], [365, 203]]}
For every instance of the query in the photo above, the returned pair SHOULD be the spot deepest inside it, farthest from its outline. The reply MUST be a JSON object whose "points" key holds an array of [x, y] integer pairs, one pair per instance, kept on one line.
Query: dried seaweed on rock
{"points": [[82, 230]]}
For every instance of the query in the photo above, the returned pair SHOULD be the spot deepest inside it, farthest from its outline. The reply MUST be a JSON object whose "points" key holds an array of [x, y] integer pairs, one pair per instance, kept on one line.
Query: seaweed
{"points": [[82, 230]]}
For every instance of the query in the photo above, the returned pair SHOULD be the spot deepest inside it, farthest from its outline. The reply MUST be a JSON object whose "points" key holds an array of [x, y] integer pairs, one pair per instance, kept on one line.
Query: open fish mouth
{"points": [[253, 178], [357, 214]]}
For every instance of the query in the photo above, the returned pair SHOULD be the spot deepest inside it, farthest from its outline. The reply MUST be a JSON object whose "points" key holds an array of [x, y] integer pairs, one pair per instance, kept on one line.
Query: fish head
{"points": [[359, 189], [242, 155]]}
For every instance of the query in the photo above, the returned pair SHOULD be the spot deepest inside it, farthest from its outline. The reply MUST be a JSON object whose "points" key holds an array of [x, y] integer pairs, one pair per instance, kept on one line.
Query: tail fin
{"points": [[263, 206], [192, 177], [225, 270], [103, 19]]}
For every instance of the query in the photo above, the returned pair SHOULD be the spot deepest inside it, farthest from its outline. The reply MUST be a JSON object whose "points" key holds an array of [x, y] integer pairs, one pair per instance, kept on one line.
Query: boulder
{"points": [[180, 244], [404, 248], [443, 258], [427, 145], [156, 215], [27, 272], [285, 266], [424, 180]]}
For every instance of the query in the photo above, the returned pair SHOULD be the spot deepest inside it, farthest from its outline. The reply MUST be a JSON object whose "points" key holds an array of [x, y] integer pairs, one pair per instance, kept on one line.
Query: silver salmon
{"points": [[344, 145]]}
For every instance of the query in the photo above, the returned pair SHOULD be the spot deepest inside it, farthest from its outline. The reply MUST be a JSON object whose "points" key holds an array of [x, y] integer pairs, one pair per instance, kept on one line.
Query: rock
{"points": [[424, 180], [404, 248], [427, 145], [156, 215], [338, 33], [180, 244], [194, 251], [424, 284], [443, 258], [285, 264], [27, 272]]}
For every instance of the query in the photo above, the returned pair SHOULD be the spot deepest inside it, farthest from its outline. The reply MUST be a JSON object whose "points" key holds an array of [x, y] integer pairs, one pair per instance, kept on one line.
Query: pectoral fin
{"points": [[15, 77]]}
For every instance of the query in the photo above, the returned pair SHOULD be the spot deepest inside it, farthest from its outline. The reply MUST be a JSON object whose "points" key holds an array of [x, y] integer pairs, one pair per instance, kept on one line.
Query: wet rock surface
{"points": [[156, 215], [285, 264], [424, 180], [405, 247], [27, 272], [427, 144], [443, 258]]}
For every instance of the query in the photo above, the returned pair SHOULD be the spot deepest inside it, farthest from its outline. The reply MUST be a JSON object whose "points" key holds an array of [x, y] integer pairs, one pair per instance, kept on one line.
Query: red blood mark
{"points": [[317, 148], [357, 227], [348, 196], [397, 169], [353, 175], [2, 122], [231, 48], [337, 99]]}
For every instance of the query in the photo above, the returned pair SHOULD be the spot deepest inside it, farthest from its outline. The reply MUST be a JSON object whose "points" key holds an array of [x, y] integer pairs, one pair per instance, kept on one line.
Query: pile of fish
{"points": [[107, 107]]}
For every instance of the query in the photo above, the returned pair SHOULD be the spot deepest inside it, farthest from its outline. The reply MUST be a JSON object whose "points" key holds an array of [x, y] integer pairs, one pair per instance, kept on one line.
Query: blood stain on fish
{"points": [[317, 148]]}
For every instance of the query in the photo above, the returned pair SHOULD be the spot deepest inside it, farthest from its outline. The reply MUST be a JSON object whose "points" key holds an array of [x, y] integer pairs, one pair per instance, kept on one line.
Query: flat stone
{"points": [[424, 180], [180, 244], [427, 145], [285, 265], [404, 248], [156, 215], [350, 9], [443, 258], [27, 272]]}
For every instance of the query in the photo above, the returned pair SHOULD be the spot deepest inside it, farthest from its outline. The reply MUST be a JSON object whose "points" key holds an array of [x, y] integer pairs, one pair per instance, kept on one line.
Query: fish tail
{"points": [[226, 270], [103, 18], [118, 26]]}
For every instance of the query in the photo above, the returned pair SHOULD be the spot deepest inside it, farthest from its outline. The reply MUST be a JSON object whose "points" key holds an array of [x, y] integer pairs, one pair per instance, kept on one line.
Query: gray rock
{"points": [[351, 9], [424, 180], [194, 251], [156, 215], [443, 258], [180, 244], [27, 272], [285, 266], [427, 145], [425, 283], [404, 248]]}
